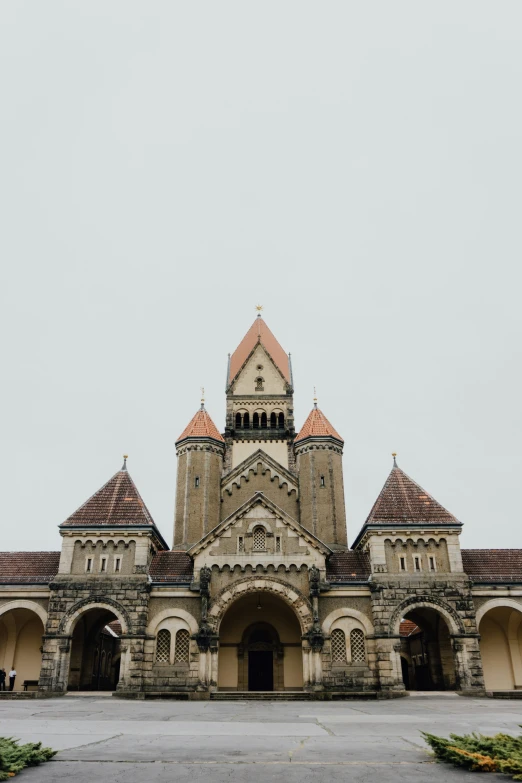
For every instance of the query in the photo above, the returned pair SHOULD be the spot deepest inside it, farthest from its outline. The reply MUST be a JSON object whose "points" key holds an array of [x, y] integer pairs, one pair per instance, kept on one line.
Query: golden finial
{"points": [[125, 458], [315, 397], [394, 455], [202, 397], [259, 308]]}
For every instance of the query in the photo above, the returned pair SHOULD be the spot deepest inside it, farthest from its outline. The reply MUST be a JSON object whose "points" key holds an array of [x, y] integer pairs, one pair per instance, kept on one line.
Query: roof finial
{"points": [[315, 397], [125, 458], [259, 308], [394, 455], [202, 398]]}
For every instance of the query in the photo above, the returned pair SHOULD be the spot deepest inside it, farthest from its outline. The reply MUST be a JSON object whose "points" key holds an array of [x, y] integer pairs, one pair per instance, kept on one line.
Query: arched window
{"points": [[182, 648], [281, 421], [357, 646], [259, 384], [273, 420], [255, 421], [338, 642], [263, 421], [102, 665], [238, 421], [246, 421], [259, 539], [95, 662], [109, 665], [163, 646]]}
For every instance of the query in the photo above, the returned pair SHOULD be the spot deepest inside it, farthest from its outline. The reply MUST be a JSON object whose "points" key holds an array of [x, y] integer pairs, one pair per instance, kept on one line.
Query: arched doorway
{"points": [[21, 632], [500, 629], [95, 651], [427, 661], [260, 645]]}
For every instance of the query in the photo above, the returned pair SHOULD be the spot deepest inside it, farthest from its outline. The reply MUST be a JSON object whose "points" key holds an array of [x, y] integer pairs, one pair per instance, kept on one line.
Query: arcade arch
{"points": [[500, 627], [22, 626]]}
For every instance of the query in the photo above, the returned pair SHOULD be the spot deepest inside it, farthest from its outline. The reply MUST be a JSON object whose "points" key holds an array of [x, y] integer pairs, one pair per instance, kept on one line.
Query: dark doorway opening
{"points": [[426, 652], [260, 670]]}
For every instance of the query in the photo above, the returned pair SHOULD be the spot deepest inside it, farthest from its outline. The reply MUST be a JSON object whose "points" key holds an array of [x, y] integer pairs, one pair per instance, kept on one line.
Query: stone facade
{"points": [[260, 591]]}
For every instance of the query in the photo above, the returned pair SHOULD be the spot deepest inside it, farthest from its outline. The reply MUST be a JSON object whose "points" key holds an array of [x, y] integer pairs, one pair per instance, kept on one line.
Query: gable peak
{"points": [[259, 333]]}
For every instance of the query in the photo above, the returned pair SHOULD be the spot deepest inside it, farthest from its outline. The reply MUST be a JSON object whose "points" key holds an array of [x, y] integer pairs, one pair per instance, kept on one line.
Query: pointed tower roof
{"points": [[118, 502], [317, 426], [403, 501], [201, 426], [259, 333]]}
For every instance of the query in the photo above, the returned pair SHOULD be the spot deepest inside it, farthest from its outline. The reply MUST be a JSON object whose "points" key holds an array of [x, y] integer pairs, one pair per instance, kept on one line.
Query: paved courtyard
{"points": [[102, 738]]}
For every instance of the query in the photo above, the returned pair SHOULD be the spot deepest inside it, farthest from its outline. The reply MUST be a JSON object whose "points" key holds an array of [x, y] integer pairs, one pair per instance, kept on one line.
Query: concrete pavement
{"points": [[121, 741]]}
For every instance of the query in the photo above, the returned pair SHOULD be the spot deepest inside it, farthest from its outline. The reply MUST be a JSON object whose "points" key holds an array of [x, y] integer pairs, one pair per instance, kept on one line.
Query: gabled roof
{"points": [[258, 497], [403, 501], [174, 566], [348, 566], [493, 565], [259, 333], [118, 502], [317, 426], [201, 426], [28, 567], [252, 461]]}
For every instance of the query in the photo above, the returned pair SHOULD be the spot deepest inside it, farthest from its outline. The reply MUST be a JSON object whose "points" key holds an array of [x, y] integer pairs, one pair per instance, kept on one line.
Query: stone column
{"points": [[389, 663], [468, 662], [306, 666], [213, 668]]}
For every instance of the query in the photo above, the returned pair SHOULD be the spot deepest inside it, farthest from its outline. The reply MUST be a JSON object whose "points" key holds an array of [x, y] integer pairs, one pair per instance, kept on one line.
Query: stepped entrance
{"points": [[260, 646]]}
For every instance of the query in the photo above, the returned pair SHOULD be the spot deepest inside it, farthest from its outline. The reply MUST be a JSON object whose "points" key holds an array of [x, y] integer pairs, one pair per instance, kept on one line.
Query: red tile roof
{"points": [[317, 426], [493, 565], [28, 567], [403, 501], [201, 426], [409, 628], [118, 502], [348, 567], [115, 627], [174, 566], [259, 333]]}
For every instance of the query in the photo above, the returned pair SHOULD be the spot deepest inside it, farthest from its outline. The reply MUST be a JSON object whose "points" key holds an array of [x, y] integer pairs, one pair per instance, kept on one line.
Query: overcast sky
{"points": [[355, 167]]}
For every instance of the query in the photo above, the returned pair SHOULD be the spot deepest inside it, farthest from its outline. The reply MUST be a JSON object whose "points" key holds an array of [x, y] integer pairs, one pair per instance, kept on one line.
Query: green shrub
{"points": [[501, 753], [14, 757]]}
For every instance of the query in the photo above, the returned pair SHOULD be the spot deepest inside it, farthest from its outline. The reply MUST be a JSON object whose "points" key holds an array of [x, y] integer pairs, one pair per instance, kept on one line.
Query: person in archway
{"points": [[2, 679], [12, 678]]}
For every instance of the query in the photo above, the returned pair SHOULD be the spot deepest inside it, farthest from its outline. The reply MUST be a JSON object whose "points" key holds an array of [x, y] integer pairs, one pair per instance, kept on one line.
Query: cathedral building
{"points": [[260, 592]]}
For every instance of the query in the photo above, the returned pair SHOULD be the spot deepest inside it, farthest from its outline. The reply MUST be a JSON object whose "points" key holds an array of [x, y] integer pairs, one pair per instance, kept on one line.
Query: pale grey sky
{"points": [[356, 167]]}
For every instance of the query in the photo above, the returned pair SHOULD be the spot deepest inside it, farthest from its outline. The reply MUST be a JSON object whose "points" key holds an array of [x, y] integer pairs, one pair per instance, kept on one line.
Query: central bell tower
{"points": [[260, 399]]}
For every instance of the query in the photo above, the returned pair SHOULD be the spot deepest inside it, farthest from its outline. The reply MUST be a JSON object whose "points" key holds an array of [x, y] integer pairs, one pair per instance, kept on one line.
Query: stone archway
{"points": [[259, 624], [73, 657], [290, 595]]}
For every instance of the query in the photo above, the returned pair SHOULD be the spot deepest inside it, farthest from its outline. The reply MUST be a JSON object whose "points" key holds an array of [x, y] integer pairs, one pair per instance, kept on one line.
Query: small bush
{"points": [[14, 757], [501, 753]]}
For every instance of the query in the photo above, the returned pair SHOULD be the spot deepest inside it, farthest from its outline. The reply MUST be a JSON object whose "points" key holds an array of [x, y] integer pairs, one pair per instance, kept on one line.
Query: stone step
{"points": [[261, 696]]}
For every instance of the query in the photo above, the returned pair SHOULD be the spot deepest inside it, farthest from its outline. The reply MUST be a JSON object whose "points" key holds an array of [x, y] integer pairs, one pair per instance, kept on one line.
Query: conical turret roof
{"points": [[259, 333], [201, 426], [118, 502], [403, 501], [317, 426]]}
